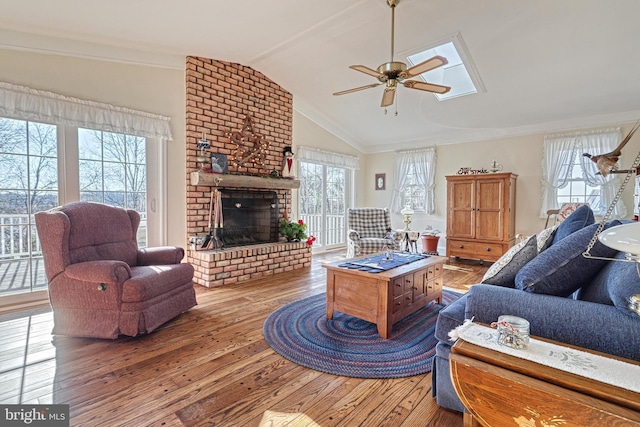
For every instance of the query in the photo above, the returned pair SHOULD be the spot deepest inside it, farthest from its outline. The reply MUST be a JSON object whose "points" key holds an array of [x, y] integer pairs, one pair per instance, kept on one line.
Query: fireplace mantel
{"points": [[242, 181]]}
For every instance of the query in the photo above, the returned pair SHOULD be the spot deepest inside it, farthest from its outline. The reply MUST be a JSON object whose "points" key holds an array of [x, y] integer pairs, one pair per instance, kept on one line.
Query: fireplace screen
{"points": [[250, 217]]}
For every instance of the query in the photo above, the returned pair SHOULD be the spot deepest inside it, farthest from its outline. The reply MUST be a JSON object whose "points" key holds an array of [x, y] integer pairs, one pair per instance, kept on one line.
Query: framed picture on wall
{"points": [[381, 181], [219, 163]]}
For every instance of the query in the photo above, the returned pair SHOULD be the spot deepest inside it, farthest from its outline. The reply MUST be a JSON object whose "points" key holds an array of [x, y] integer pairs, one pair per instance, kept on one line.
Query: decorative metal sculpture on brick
{"points": [[251, 147]]}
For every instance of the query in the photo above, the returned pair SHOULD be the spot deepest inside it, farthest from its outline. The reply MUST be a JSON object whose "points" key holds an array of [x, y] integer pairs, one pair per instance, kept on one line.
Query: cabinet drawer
{"points": [[407, 283], [476, 250], [461, 248], [488, 250], [398, 286], [397, 303], [438, 270]]}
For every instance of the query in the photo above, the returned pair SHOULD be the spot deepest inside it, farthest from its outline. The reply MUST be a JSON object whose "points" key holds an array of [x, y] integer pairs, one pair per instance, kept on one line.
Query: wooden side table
{"points": [[502, 390]]}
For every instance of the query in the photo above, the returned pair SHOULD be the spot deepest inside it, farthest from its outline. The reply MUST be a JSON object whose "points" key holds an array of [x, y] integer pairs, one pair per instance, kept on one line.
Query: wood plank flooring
{"points": [[209, 367]]}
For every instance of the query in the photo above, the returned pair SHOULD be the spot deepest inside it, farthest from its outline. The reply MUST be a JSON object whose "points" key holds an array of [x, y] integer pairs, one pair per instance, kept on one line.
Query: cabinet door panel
{"points": [[461, 212], [489, 209]]}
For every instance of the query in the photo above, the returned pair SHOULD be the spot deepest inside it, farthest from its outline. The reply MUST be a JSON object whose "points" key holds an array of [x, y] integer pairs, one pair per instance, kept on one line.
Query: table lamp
{"points": [[407, 212]]}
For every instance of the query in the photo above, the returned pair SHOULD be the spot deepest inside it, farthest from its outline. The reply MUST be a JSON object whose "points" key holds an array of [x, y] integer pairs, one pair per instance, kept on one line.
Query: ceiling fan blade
{"points": [[428, 87], [356, 89], [423, 67], [366, 70], [388, 96]]}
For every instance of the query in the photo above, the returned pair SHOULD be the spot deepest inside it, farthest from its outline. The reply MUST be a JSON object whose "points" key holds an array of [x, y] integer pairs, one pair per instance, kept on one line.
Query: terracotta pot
{"points": [[429, 243]]}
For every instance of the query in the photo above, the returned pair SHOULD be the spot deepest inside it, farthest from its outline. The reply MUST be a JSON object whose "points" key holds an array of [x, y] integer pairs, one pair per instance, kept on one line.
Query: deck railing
{"points": [[15, 239], [335, 228], [18, 240]]}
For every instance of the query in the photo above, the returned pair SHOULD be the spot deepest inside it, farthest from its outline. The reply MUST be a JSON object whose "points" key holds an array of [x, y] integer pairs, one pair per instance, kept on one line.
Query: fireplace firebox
{"points": [[250, 217]]}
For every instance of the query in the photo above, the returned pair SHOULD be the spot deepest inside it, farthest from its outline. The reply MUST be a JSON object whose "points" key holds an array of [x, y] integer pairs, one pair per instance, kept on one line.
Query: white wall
{"points": [[520, 155], [151, 89]]}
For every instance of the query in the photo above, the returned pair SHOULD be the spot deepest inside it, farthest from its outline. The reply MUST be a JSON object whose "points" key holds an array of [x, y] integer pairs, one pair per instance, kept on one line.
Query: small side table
{"points": [[409, 241], [502, 390]]}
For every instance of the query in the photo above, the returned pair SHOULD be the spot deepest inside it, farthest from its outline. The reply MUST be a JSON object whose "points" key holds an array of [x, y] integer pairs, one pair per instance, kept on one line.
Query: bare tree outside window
{"points": [[113, 171], [28, 184]]}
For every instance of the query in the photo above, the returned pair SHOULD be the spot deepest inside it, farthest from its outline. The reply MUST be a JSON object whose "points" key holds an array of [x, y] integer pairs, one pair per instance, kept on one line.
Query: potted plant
{"points": [[293, 231], [430, 238]]}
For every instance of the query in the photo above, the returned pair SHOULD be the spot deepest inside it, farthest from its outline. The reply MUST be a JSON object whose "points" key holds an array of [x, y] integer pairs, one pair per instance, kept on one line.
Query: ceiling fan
{"points": [[394, 72]]}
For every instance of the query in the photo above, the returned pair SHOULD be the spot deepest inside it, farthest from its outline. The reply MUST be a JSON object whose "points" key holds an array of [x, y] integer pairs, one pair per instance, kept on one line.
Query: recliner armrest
{"points": [[161, 255], [99, 271]]}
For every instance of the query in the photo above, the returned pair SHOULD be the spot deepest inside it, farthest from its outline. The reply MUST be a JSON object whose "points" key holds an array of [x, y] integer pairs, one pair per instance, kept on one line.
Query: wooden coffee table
{"points": [[502, 390], [384, 298]]}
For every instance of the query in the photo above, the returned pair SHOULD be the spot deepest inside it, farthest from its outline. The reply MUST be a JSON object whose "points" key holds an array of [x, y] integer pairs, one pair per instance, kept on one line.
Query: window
{"points": [[415, 180], [28, 184], [568, 176], [326, 182], [56, 149], [413, 193], [459, 72], [112, 170], [577, 189]]}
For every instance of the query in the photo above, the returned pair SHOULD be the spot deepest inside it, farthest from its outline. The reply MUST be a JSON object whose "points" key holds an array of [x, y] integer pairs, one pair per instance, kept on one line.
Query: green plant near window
{"points": [[293, 230]]}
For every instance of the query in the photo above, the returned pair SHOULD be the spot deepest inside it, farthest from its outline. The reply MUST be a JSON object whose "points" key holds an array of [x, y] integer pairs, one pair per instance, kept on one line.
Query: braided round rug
{"points": [[351, 347]]}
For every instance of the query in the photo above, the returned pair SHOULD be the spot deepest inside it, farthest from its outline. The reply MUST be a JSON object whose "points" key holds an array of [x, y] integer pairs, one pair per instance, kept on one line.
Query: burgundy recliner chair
{"points": [[100, 284]]}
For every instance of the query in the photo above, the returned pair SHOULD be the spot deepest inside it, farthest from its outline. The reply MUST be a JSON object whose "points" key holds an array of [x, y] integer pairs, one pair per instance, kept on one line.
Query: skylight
{"points": [[454, 74]]}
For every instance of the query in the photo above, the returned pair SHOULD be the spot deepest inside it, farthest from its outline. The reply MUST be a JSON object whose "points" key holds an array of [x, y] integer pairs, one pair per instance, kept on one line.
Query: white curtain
{"points": [[559, 152], [327, 158], [424, 164], [30, 104]]}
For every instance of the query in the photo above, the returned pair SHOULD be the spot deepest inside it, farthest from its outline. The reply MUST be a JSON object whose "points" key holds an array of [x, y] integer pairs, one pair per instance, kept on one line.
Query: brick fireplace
{"points": [[219, 96]]}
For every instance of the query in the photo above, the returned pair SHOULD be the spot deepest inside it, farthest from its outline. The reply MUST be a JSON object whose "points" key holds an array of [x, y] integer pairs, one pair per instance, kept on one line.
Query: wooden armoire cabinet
{"points": [[481, 215]]}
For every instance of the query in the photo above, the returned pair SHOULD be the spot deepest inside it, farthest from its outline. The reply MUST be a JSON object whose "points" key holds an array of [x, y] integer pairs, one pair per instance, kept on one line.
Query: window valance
{"points": [[24, 103], [327, 158]]}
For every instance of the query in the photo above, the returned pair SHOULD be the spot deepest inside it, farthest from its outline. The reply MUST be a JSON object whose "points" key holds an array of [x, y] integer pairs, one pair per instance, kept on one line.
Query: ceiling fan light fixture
{"points": [[394, 72]]}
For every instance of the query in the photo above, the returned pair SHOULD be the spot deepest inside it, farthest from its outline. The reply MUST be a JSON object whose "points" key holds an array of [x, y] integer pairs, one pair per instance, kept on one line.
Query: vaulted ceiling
{"points": [[544, 65]]}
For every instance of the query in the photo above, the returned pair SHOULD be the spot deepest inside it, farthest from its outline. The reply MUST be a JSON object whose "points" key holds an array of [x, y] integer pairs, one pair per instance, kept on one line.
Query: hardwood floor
{"points": [[209, 367]]}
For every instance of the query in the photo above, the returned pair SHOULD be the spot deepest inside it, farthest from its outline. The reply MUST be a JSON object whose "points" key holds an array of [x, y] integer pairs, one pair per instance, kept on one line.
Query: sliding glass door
{"points": [[28, 184], [43, 166], [323, 202]]}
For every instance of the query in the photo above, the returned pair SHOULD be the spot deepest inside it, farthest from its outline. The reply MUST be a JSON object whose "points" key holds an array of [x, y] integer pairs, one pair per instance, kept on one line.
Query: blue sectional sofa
{"points": [[564, 296]]}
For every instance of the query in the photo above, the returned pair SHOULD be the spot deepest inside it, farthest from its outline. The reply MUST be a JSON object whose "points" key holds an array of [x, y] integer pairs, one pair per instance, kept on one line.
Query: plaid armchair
{"points": [[370, 231]]}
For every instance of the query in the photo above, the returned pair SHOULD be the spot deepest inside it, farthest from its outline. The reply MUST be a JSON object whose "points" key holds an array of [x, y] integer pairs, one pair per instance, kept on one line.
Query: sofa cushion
{"points": [[545, 238], [503, 272], [619, 280], [450, 318], [579, 219], [561, 269], [596, 291]]}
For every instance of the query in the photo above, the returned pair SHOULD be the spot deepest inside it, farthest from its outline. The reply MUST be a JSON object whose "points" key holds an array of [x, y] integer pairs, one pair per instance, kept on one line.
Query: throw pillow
{"points": [[503, 272], [545, 238], [561, 269], [580, 218], [623, 282]]}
